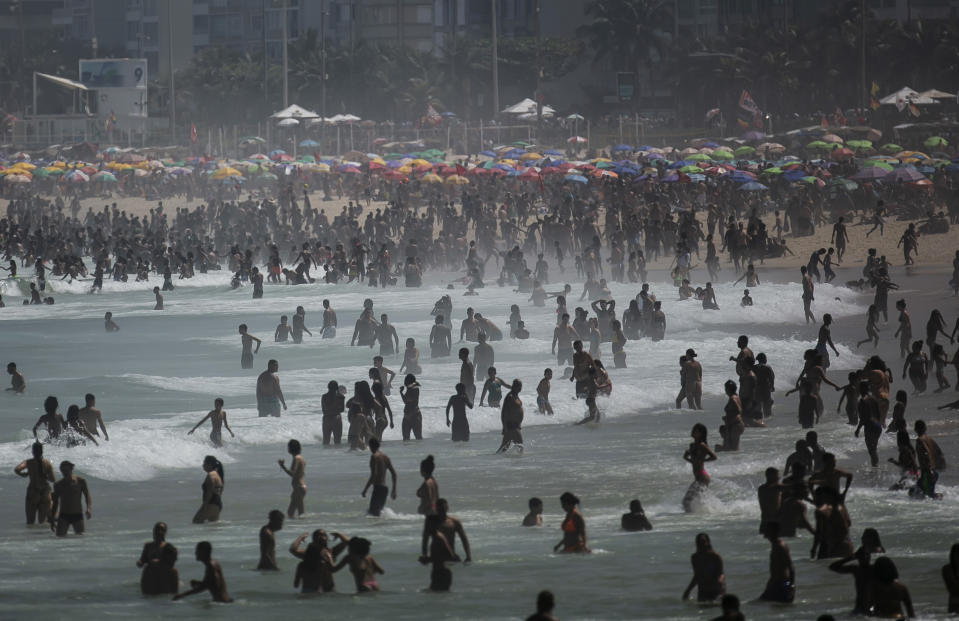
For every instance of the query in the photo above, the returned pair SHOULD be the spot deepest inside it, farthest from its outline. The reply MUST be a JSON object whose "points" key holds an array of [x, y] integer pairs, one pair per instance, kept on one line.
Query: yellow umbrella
{"points": [[420, 162], [404, 170], [222, 173], [24, 166], [457, 180], [432, 178], [530, 156]]}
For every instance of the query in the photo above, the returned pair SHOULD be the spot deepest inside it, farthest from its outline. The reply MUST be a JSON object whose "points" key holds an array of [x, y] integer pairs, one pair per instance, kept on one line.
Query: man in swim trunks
{"points": [[332, 404], [512, 417], [40, 473], [364, 332], [781, 586], [328, 330], [92, 417], [385, 333], [67, 508], [268, 393], [213, 580], [246, 339], [564, 335], [379, 465], [268, 540], [582, 363]]}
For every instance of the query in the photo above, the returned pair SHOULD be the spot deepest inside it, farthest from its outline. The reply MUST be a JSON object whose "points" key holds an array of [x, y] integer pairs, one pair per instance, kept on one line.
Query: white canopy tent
{"points": [[528, 107], [294, 112], [905, 96]]}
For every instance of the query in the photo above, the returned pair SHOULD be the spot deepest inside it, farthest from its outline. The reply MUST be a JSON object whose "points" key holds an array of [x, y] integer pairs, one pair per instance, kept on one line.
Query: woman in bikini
{"points": [[429, 491], [363, 566], [212, 504], [574, 527]]}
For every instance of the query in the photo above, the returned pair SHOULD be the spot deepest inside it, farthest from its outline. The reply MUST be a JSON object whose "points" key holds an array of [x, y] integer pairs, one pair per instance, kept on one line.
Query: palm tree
{"points": [[628, 34], [464, 63]]}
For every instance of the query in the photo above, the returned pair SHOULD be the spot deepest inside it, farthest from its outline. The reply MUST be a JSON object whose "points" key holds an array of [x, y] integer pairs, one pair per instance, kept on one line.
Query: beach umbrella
{"points": [[844, 184], [818, 144], [877, 164], [690, 169], [621, 148], [21, 156], [871, 173], [698, 157], [754, 135], [76, 176], [774, 170], [813, 181], [487, 154], [743, 151], [222, 173], [906, 174], [688, 151], [529, 175], [842, 153], [530, 156], [831, 138], [457, 180], [309, 143], [935, 141], [752, 186], [576, 140], [890, 148], [575, 117], [259, 157], [576, 178], [770, 146], [432, 178], [722, 154], [741, 176], [859, 144], [18, 178], [349, 170], [268, 176], [306, 159], [104, 177]]}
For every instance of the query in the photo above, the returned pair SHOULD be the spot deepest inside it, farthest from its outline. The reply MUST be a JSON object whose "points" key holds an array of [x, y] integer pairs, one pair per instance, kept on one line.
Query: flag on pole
{"points": [[749, 114], [193, 135]]}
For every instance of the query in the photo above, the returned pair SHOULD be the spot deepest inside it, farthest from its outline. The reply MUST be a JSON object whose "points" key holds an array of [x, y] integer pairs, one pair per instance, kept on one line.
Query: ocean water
{"points": [[159, 375]]}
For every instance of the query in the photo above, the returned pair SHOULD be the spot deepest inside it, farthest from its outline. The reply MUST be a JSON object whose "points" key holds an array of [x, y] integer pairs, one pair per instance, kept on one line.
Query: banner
{"points": [[749, 112]]}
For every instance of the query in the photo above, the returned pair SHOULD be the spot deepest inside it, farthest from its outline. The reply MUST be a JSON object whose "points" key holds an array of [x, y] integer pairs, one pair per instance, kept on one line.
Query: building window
{"points": [[256, 24], [377, 15], [150, 33], [150, 7], [201, 24], [133, 29], [419, 14], [218, 25]]}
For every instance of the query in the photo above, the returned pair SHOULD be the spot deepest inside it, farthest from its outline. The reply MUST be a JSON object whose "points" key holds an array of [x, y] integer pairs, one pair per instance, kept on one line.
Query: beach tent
{"points": [[905, 96], [528, 106], [294, 112]]}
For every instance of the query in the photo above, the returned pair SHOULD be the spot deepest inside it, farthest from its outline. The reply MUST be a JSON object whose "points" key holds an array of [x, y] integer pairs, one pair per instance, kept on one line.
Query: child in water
{"points": [[411, 358], [543, 405], [494, 386], [535, 515], [747, 299]]}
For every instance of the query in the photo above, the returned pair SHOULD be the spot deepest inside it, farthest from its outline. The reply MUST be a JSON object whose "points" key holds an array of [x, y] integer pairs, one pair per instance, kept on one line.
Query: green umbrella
{"points": [[876, 164], [744, 150], [859, 144], [845, 184], [935, 141], [891, 148], [691, 169], [521, 144], [698, 157], [55, 172], [267, 177], [393, 156], [775, 170], [306, 158], [722, 154], [817, 144], [605, 165], [41, 172]]}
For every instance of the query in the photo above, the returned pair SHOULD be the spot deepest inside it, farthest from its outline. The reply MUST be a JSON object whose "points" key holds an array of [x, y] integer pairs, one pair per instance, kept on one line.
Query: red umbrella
{"points": [[842, 154]]}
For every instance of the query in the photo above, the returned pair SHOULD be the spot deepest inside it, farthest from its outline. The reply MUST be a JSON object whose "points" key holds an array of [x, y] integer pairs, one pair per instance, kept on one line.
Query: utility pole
{"points": [[323, 55], [266, 60], [495, 61], [169, 27], [286, 94], [862, 54], [539, 69]]}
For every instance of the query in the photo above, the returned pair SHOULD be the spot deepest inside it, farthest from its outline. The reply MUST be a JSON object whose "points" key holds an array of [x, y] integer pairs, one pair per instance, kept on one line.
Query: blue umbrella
{"points": [[309, 143], [752, 186], [697, 177], [622, 147], [711, 145], [794, 175], [550, 152], [487, 153], [576, 178], [740, 177], [644, 147]]}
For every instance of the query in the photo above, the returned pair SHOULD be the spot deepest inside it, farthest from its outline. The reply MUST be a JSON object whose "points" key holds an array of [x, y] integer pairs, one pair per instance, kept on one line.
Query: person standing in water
{"points": [[329, 321], [51, 419], [781, 586], [217, 418], [299, 324], [213, 580], [441, 339], [268, 540], [412, 423], [269, 396], [283, 330], [429, 490], [385, 333], [825, 338], [212, 488], [697, 455], [380, 464], [511, 416], [466, 373], [67, 509], [247, 339], [17, 382], [808, 289], [709, 578], [40, 473], [458, 403], [297, 473], [545, 602], [108, 324], [92, 418], [332, 404], [573, 526]]}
